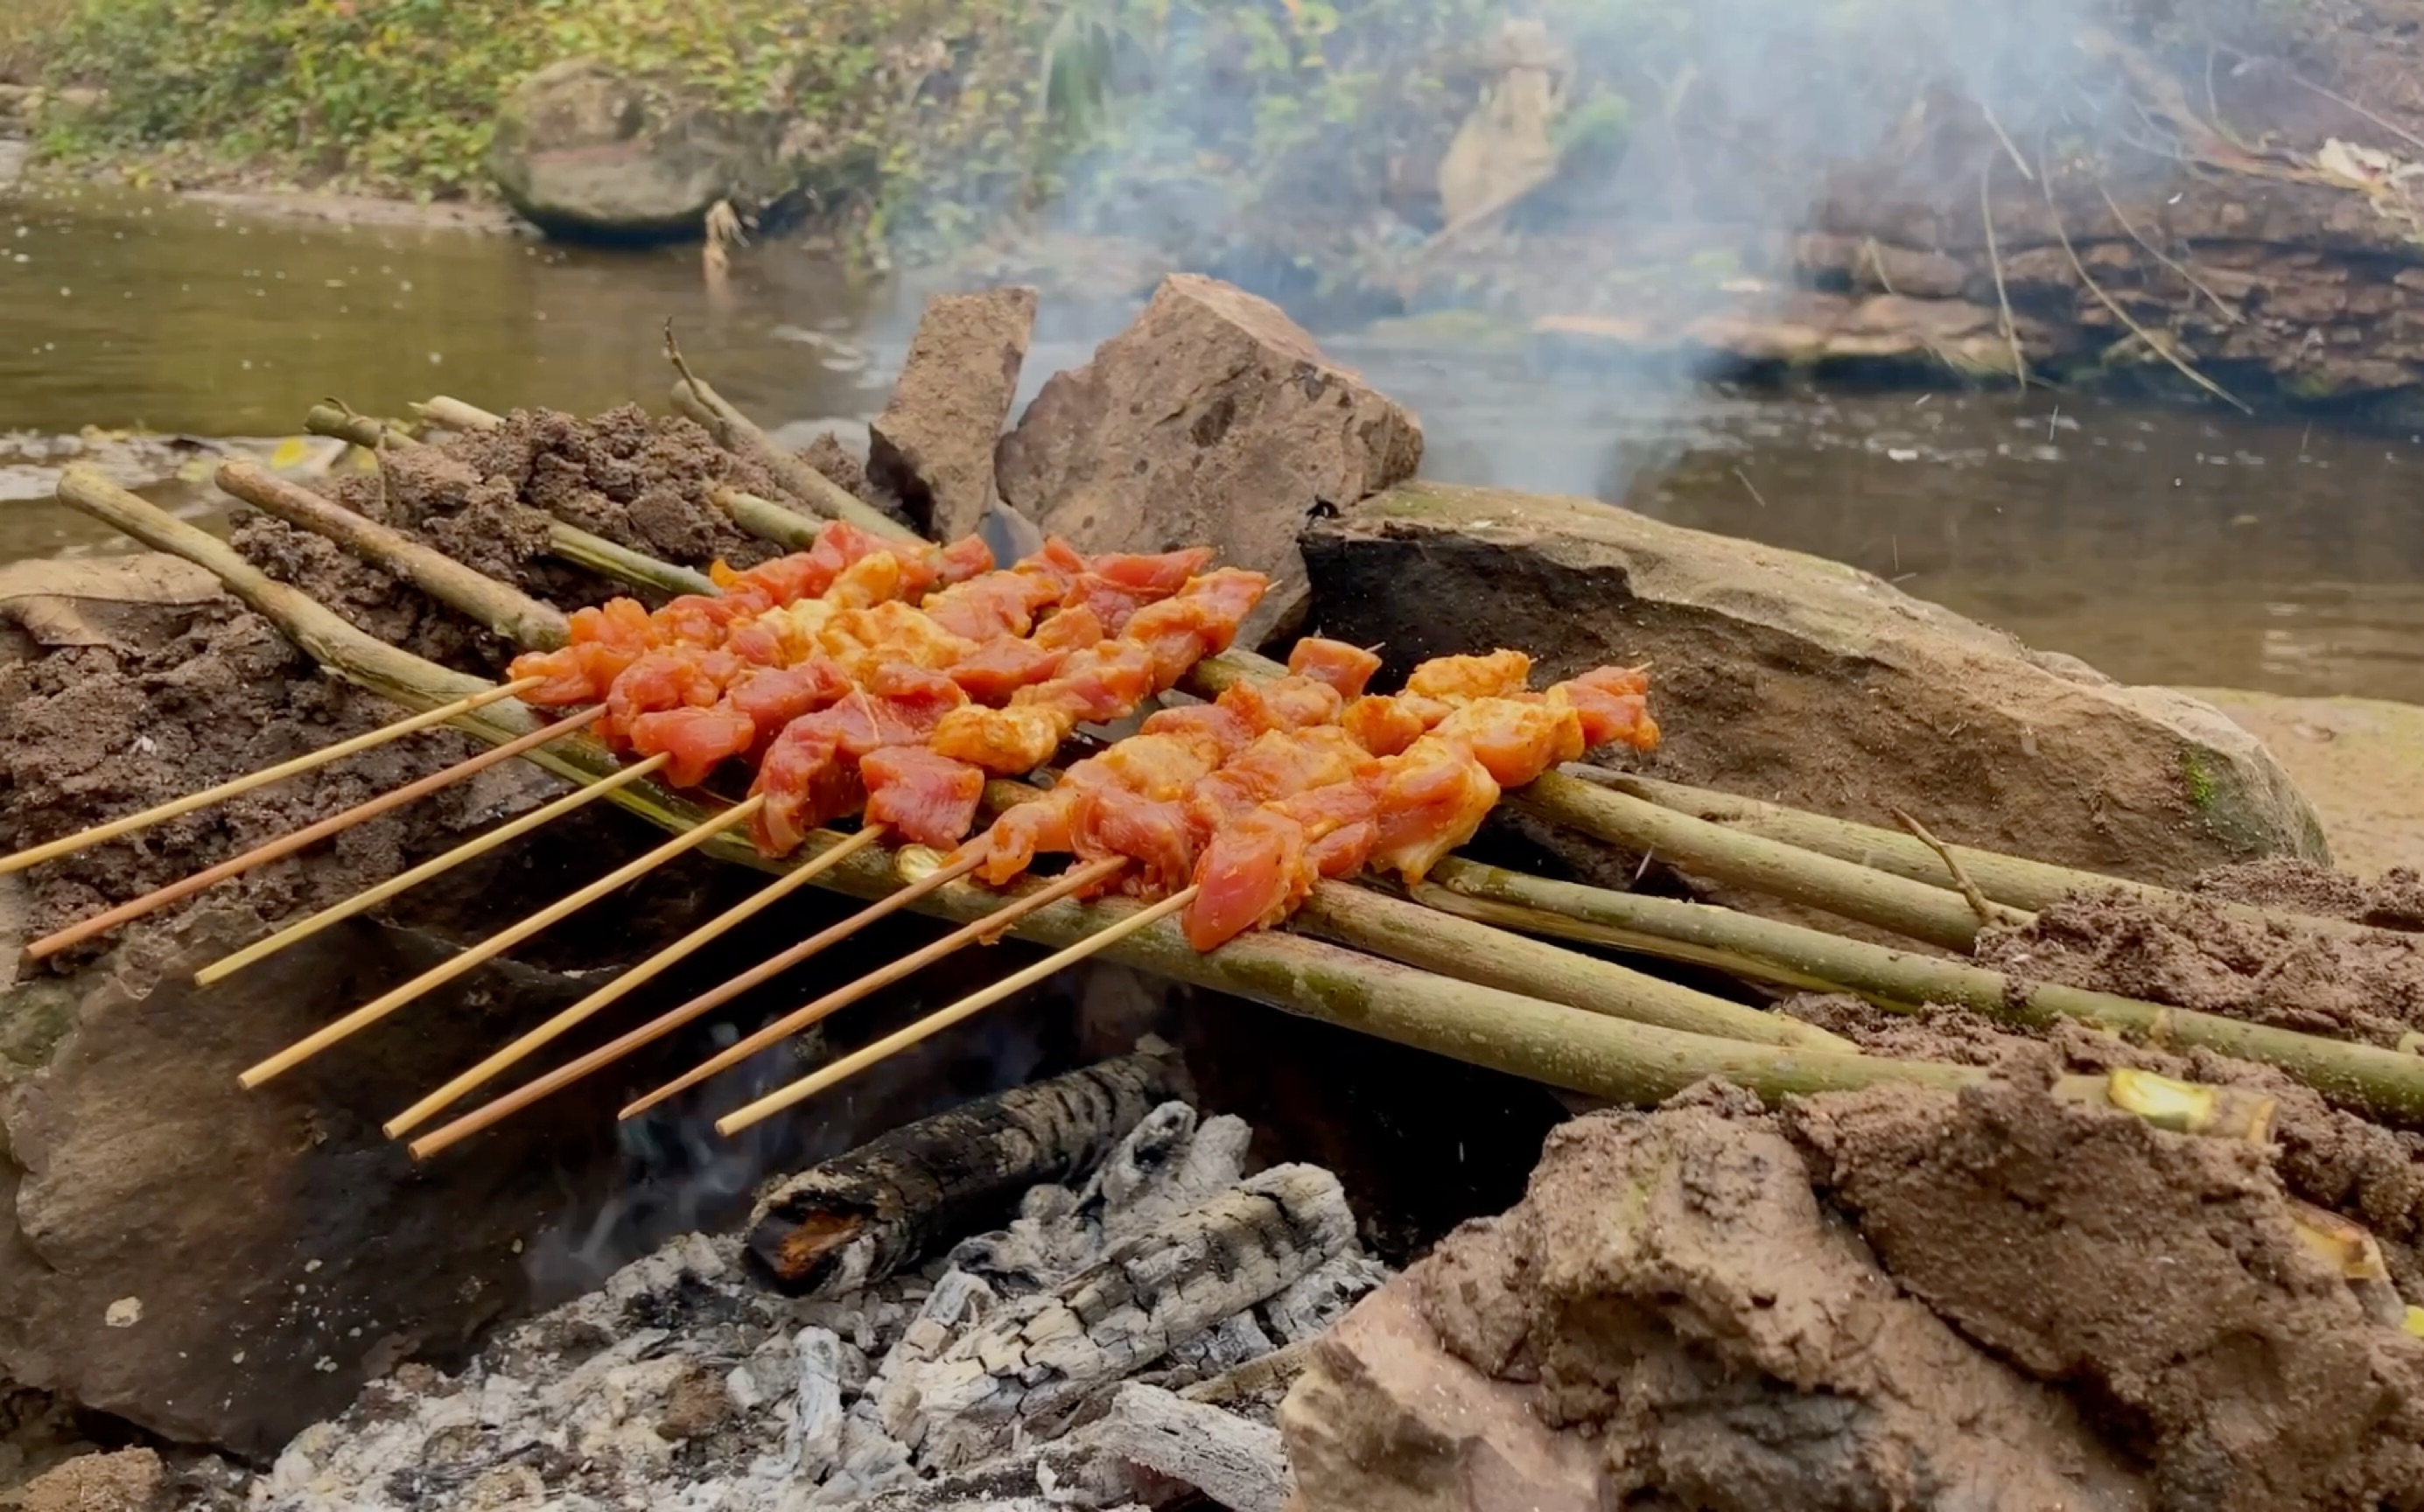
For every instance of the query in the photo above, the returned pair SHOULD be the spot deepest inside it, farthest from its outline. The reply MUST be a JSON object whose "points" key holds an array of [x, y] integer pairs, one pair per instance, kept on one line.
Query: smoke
{"points": [[1629, 159]]}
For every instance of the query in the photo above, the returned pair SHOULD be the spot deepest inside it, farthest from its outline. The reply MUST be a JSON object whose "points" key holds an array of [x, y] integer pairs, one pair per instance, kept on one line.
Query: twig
{"points": [[2161, 348], [2002, 135], [1978, 903], [1995, 263], [2344, 102], [739, 435], [508, 610], [1751, 487], [2371, 1079], [2152, 250]]}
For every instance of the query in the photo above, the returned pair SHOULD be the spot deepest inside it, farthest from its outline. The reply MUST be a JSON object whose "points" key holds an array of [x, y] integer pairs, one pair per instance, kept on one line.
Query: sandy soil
{"points": [[2359, 760]]}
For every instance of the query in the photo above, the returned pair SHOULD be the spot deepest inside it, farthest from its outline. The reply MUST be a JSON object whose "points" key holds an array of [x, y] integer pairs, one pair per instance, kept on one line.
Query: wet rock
{"points": [[1214, 421], [587, 154], [1672, 1318], [1810, 683], [131, 1480], [933, 447]]}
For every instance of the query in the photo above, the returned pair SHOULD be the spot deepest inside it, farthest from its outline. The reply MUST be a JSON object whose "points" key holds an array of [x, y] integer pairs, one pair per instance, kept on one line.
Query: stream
{"points": [[2160, 546]]}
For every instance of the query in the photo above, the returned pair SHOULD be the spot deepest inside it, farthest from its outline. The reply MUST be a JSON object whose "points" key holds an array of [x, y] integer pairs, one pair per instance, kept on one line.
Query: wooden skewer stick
{"points": [[69, 845], [664, 1024], [631, 980], [989, 928], [379, 1007], [851, 1064], [470, 849], [310, 834]]}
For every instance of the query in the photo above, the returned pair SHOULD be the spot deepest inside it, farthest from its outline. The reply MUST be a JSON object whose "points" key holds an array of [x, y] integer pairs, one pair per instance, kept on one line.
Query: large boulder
{"points": [[589, 154], [1212, 420], [932, 446], [1786, 677]]}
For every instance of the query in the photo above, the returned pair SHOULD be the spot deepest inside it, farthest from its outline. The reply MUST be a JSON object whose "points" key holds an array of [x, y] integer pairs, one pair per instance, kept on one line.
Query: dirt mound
{"points": [[2191, 954], [2394, 901], [1894, 1298], [2156, 1277]]}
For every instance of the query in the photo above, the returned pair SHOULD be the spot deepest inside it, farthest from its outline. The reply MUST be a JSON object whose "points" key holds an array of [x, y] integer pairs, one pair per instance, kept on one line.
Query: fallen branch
{"points": [[2161, 348], [860, 1217], [2014, 881], [741, 435], [515, 615], [2370, 1079], [1995, 264], [2156, 253], [1968, 889]]}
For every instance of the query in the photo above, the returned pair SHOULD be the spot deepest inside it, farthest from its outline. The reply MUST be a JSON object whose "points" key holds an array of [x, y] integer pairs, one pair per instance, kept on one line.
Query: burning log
{"points": [[858, 1217]]}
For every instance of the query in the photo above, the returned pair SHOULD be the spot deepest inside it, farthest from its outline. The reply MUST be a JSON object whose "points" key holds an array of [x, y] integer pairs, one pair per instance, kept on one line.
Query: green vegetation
{"points": [[27, 28], [916, 120]]}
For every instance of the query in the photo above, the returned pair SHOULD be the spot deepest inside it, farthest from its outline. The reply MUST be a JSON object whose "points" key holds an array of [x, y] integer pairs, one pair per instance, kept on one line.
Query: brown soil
{"points": [[2192, 955], [197, 694], [1908, 1299]]}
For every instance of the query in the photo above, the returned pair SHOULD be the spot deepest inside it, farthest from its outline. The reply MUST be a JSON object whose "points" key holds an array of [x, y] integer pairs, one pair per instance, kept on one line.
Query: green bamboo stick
{"points": [[2007, 879], [2378, 1082], [1471, 952]]}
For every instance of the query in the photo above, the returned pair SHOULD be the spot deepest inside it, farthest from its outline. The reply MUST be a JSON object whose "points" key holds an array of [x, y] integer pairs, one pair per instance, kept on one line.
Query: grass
{"points": [[27, 31]]}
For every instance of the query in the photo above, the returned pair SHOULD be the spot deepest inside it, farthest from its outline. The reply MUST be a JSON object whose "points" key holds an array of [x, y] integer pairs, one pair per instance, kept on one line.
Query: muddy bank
{"points": [[1866, 1301]]}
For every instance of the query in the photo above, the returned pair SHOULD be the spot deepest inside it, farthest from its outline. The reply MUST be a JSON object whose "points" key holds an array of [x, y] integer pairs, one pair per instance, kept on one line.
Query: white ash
{"points": [[684, 1385]]}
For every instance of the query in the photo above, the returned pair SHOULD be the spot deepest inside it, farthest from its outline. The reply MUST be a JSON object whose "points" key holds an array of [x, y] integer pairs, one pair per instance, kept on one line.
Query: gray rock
{"points": [[224, 1267], [932, 446], [1786, 677], [583, 151], [1212, 420]]}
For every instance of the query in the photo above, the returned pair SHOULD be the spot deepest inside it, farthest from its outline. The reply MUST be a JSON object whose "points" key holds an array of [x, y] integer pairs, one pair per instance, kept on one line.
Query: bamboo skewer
{"points": [[631, 980], [851, 1064], [286, 845], [177, 808], [986, 929], [470, 849], [981, 904], [1601, 1057], [379, 1007]]}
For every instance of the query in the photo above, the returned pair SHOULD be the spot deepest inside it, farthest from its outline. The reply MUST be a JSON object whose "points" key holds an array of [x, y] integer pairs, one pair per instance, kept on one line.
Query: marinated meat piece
{"points": [[1009, 741], [1283, 703], [1516, 742], [965, 559], [1254, 873], [1219, 726], [1158, 575], [774, 696], [1384, 725], [805, 783], [675, 678], [1430, 800], [698, 740], [1105, 682], [1343, 667], [1151, 835], [1614, 706], [1037, 827], [996, 670], [1070, 629], [1499, 675], [926, 799]]}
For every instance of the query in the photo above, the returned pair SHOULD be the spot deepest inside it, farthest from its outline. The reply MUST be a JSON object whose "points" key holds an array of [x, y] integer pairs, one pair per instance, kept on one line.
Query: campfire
{"points": [[1082, 747]]}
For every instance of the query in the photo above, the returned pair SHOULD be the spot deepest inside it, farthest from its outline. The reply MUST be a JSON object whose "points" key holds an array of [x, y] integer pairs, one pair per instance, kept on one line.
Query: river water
{"points": [[2158, 545]]}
